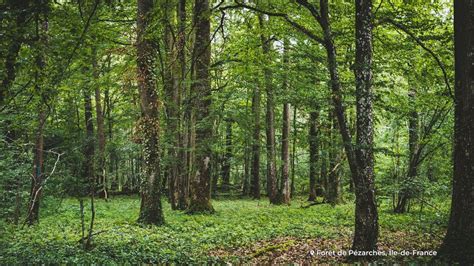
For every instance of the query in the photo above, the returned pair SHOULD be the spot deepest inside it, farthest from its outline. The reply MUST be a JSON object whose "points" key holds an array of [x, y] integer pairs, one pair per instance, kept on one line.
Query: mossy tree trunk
{"points": [[150, 209], [201, 87]]}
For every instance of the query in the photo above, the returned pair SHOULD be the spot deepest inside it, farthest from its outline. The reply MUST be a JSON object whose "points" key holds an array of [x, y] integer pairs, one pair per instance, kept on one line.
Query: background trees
{"points": [[332, 102]]}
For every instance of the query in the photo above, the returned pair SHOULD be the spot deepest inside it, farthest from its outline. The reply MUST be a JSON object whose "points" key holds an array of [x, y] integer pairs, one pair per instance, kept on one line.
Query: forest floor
{"points": [[241, 231]]}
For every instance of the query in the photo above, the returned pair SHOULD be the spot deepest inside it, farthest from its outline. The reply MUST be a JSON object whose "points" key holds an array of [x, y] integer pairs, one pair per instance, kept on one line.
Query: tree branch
{"points": [[285, 16], [422, 45]]}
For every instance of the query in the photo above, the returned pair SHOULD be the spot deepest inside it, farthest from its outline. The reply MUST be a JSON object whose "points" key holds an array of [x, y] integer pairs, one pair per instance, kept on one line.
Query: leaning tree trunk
{"points": [[458, 244], [366, 217], [313, 152], [201, 181], [270, 119], [150, 209]]}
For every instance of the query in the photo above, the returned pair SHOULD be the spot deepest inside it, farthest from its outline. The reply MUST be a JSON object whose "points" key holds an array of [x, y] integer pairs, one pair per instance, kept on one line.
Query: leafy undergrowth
{"points": [[240, 231]]}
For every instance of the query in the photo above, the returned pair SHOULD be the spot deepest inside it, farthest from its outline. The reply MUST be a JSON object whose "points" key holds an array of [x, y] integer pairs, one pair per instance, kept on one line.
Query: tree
{"points": [[255, 170], [172, 90], [366, 221], [183, 182], [458, 243], [313, 152], [38, 175], [201, 181], [272, 187], [284, 190], [100, 126], [227, 157], [150, 209]]}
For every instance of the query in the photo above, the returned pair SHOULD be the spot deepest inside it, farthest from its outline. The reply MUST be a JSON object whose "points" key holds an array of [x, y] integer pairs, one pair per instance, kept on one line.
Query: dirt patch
{"points": [[305, 251]]}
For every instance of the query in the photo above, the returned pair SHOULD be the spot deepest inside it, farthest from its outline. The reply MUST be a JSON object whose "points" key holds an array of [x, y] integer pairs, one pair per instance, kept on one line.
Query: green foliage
{"points": [[187, 238]]}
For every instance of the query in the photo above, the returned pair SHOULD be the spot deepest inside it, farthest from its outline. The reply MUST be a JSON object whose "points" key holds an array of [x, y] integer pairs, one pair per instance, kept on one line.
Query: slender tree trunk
{"points": [[100, 129], [38, 170], [284, 190], [255, 170], [201, 181], [183, 196], [293, 154], [404, 195], [366, 218], [172, 91], [227, 157], [458, 244], [150, 209], [313, 152], [246, 178], [88, 167], [270, 119], [333, 195], [40, 83]]}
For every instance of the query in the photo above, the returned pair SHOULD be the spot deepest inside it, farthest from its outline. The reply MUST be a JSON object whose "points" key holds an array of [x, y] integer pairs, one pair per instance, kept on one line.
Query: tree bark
{"points": [[333, 195], [172, 104], [313, 152], [150, 208], [272, 191], [458, 243], [200, 185], [100, 128], [38, 175], [293, 154], [366, 218], [89, 143], [226, 167], [183, 184], [255, 170]]}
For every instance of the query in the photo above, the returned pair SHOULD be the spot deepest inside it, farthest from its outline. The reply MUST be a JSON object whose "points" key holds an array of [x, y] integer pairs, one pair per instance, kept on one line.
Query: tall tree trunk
{"points": [[458, 243], [333, 195], [284, 190], [183, 184], [172, 104], [38, 175], [293, 154], [270, 118], [255, 170], [366, 217], [88, 167], [201, 182], [227, 157], [150, 208], [100, 128], [313, 152]]}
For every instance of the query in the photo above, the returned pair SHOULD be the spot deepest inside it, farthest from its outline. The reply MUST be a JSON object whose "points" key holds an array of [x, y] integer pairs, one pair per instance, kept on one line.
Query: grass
{"points": [[240, 230]]}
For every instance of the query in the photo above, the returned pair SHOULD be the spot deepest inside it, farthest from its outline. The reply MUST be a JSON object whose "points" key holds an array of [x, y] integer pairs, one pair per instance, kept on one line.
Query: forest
{"points": [[236, 131]]}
